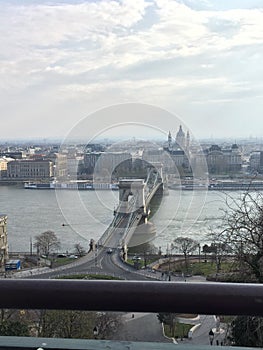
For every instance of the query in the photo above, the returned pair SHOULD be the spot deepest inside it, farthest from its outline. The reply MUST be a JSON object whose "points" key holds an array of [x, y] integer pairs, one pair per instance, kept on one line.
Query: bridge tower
{"points": [[131, 195], [162, 177], [159, 168]]}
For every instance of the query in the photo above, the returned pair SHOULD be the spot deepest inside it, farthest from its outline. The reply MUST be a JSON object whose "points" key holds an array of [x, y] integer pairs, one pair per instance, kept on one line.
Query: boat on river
{"points": [[219, 185], [236, 186], [71, 185]]}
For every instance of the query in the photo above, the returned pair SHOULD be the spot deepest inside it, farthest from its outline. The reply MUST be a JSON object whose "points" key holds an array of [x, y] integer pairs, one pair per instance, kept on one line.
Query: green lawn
{"points": [[200, 268], [209, 268], [180, 330], [62, 261]]}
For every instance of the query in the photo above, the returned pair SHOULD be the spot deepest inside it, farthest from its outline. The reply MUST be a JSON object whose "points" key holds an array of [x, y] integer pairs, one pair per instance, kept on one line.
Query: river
{"points": [[78, 216]]}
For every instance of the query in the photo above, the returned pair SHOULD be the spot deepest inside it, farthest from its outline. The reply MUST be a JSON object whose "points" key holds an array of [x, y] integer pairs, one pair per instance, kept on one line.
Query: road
{"points": [[99, 262], [144, 327]]}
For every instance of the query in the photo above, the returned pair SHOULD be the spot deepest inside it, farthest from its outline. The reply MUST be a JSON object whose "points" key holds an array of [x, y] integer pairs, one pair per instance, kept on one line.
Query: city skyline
{"points": [[64, 64]]}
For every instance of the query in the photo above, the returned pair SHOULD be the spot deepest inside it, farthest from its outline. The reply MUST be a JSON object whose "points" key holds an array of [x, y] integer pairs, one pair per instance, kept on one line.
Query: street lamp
{"points": [[211, 336]]}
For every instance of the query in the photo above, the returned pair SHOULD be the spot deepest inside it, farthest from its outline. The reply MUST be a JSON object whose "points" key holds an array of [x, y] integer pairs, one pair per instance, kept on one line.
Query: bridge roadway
{"points": [[120, 231]]}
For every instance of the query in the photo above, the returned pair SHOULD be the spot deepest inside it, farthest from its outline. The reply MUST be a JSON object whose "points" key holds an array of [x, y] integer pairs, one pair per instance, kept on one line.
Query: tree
{"points": [[186, 245], [219, 251], [13, 323], [14, 328], [67, 324], [80, 251], [107, 323], [46, 242], [77, 324], [247, 331], [242, 231]]}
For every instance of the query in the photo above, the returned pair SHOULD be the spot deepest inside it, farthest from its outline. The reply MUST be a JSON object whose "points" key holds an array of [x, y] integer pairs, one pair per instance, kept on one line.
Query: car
{"points": [[61, 255], [109, 251], [136, 258], [73, 257]]}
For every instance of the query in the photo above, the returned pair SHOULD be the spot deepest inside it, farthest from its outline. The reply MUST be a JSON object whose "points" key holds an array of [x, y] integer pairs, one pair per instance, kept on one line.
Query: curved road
{"points": [[97, 263]]}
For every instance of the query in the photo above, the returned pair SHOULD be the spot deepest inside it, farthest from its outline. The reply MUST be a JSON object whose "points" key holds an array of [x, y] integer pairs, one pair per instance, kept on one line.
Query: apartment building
{"points": [[30, 169]]}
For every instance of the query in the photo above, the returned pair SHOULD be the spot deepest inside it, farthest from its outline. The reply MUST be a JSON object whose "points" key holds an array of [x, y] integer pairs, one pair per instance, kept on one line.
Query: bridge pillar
{"points": [[131, 195]]}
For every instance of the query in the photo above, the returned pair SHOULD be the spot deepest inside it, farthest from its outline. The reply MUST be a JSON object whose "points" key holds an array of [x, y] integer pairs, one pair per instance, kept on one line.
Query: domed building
{"points": [[177, 150]]}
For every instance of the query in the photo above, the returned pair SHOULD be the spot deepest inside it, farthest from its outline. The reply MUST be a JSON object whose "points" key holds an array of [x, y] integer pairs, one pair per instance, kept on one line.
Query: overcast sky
{"points": [[200, 60]]}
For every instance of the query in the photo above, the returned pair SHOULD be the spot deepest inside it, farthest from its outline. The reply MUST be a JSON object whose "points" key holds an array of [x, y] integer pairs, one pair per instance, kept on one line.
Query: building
{"points": [[153, 155], [104, 164], [89, 161], [256, 162], [176, 156], [14, 155], [3, 166], [223, 160], [180, 138], [3, 241], [30, 169], [181, 142], [60, 162], [75, 165]]}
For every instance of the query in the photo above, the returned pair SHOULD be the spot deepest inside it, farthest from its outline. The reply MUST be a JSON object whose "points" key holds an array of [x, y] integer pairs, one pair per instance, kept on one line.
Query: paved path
{"points": [[201, 334], [143, 327]]}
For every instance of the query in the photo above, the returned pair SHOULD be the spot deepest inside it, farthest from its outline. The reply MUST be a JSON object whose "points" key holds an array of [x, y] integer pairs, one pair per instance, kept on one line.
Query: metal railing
{"points": [[136, 296]]}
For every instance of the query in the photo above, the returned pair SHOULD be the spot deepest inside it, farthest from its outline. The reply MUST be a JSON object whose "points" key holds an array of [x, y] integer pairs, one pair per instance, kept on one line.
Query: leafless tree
{"points": [[247, 331], [218, 249], [107, 323], [46, 242], [78, 324], [186, 245], [80, 251], [67, 324], [242, 231]]}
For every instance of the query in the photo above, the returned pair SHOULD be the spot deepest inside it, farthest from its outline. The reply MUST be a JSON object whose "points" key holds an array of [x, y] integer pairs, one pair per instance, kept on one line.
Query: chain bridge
{"points": [[130, 226]]}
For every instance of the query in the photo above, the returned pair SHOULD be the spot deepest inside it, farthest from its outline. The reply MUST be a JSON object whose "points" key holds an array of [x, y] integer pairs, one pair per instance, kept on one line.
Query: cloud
{"points": [[115, 51]]}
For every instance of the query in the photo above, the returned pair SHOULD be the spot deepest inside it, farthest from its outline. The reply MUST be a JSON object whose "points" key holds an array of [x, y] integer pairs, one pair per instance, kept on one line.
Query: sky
{"points": [[194, 62]]}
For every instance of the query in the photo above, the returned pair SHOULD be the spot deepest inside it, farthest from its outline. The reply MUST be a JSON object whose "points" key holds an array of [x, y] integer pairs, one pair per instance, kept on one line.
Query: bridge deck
{"points": [[122, 227]]}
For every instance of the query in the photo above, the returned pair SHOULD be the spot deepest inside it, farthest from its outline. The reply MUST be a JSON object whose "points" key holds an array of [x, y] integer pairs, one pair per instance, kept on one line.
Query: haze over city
{"points": [[62, 61]]}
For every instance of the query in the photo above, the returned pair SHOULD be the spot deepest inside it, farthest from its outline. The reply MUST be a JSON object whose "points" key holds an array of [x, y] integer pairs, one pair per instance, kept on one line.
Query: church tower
{"points": [[169, 140], [187, 140], [180, 137]]}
